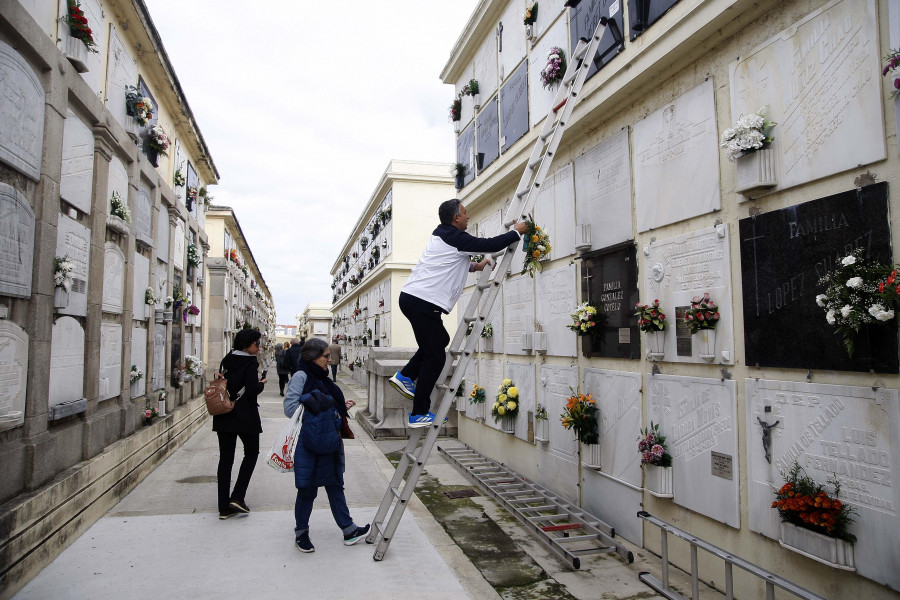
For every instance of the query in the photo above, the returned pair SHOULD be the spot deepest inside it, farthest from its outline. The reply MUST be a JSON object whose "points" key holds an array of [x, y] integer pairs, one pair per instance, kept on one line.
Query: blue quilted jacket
{"points": [[312, 470]]}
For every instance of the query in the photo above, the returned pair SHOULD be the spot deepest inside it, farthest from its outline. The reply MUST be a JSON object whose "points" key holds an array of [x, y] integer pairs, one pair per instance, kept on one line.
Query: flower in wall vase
{"points": [[658, 480], [833, 552], [77, 53], [656, 344], [60, 295], [755, 171], [508, 424], [705, 340]]}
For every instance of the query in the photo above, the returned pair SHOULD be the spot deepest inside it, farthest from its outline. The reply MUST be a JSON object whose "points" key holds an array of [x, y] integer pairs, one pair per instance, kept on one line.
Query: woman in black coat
{"points": [[240, 368]]}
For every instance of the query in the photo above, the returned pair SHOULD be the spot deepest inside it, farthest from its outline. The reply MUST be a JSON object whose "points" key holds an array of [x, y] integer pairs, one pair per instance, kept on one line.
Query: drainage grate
{"points": [[462, 493]]}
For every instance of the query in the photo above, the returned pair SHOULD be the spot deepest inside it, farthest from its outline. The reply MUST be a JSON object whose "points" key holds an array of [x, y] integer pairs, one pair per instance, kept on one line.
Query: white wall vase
{"points": [[160, 315], [167, 315], [508, 424], [476, 101], [658, 480], [656, 344], [135, 389], [833, 552], [529, 32], [77, 53], [60, 297], [461, 402], [591, 455], [705, 340], [117, 224], [161, 407], [755, 171], [542, 430], [457, 126], [488, 344], [539, 342], [132, 128]]}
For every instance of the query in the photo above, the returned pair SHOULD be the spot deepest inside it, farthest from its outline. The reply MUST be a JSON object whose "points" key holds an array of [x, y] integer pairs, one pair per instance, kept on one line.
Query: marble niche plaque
{"points": [[511, 43], [679, 268], [140, 283], [554, 301], [490, 373], [465, 153], [16, 243], [852, 433], [554, 211], [676, 160], [485, 67], [472, 411], [74, 240], [66, 361], [821, 81], [487, 135], [178, 250], [542, 98], [514, 108], [162, 234], [522, 374], [21, 114], [76, 182], [159, 356], [698, 418], [121, 71], [518, 313], [13, 374], [603, 191], [118, 182], [139, 359], [143, 216], [553, 389], [113, 278], [612, 495], [94, 75], [110, 360], [162, 285]]}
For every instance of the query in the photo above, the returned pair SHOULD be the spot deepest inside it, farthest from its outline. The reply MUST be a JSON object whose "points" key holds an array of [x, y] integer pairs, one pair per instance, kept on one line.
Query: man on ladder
{"points": [[434, 286]]}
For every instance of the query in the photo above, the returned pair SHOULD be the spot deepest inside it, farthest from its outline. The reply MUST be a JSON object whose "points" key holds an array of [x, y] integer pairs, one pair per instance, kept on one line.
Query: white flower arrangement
{"points": [[193, 256], [136, 374], [62, 272], [119, 208], [149, 297], [193, 365], [748, 135]]}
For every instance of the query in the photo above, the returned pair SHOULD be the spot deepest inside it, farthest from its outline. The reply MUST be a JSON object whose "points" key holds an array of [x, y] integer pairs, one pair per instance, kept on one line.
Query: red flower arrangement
{"points": [[804, 503], [703, 314], [78, 26], [456, 110]]}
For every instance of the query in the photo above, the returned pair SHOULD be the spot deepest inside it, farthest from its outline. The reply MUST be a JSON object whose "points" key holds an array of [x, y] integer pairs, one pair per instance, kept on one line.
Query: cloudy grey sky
{"points": [[302, 105]]}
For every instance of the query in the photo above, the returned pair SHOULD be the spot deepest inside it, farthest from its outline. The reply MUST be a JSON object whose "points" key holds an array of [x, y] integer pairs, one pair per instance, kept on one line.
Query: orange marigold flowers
{"points": [[805, 503]]}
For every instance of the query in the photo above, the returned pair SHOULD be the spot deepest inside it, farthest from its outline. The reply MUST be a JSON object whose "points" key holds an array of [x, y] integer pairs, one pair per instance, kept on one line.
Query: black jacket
{"points": [[292, 356], [243, 379]]}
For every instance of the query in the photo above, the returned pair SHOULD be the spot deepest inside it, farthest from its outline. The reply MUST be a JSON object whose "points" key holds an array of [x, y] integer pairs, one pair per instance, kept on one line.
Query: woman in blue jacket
{"points": [[312, 387]]}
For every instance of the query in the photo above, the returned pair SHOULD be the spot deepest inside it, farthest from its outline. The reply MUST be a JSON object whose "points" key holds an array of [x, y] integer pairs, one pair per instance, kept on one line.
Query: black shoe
{"points": [[229, 512], [303, 544], [353, 537], [239, 506]]}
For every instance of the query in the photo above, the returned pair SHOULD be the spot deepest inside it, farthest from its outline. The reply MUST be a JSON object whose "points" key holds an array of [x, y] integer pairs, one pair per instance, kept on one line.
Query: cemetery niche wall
{"points": [[784, 253], [609, 282], [583, 20]]}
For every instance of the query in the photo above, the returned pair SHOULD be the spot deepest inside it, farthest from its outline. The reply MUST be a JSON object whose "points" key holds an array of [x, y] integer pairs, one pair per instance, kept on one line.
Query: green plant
{"points": [[807, 504], [531, 12], [78, 26], [471, 88], [118, 207]]}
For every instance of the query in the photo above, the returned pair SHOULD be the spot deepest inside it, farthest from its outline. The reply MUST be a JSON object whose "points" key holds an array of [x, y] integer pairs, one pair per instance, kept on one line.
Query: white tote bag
{"points": [[281, 456]]}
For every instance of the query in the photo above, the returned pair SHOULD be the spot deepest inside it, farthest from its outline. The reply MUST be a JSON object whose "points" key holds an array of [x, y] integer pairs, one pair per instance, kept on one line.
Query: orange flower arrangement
{"points": [[536, 245], [581, 415], [805, 503]]}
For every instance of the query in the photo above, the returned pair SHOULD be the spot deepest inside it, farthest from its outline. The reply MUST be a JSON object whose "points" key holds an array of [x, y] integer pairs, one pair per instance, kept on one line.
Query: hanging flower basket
{"points": [[755, 171], [833, 552], [658, 480], [60, 297]]}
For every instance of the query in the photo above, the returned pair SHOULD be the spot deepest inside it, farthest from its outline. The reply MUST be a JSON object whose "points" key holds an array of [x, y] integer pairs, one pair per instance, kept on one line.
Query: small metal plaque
{"points": [[721, 465], [624, 335]]}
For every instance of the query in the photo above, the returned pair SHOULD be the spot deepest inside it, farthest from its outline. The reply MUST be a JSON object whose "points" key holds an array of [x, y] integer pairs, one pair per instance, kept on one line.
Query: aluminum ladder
{"points": [[486, 290], [565, 529]]}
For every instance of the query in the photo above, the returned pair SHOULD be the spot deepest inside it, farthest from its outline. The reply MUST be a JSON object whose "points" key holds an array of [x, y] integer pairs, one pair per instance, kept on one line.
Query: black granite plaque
{"points": [[488, 136], [644, 13], [783, 255], [583, 21], [609, 282], [465, 153], [514, 107]]}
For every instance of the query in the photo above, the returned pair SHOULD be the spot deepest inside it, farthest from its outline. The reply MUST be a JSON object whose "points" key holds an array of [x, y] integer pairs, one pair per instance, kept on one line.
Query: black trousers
{"points": [[227, 446], [334, 372], [282, 381], [426, 364]]}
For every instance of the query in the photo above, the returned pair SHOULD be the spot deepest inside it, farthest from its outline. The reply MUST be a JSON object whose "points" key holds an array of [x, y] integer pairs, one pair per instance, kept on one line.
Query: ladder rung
{"points": [[548, 134], [412, 457], [396, 493], [522, 194], [580, 49], [573, 538], [535, 499], [548, 517], [536, 161], [560, 105], [587, 551], [534, 508], [471, 319], [565, 527]]}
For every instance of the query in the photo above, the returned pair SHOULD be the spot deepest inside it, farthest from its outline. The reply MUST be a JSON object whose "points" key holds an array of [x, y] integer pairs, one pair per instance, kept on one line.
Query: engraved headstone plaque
{"points": [[178, 248], [162, 285], [488, 133], [541, 98], [77, 163], [162, 234], [676, 149], [603, 191], [510, 36], [486, 67], [141, 281], [93, 11], [609, 282], [829, 111], [66, 361], [159, 356], [522, 374], [110, 360], [490, 373], [554, 211], [554, 302], [121, 71], [13, 374], [118, 182], [555, 385], [514, 108], [21, 114], [73, 240], [139, 360], [518, 315], [852, 433], [16, 243], [113, 278], [698, 417], [143, 216]]}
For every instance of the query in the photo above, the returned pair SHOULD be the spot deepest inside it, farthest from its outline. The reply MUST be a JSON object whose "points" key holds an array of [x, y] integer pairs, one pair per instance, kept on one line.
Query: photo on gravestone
{"points": [[465, 153], [784, 253], [609, 283], [514, 107], [583, 20], [644, 13], [488, 136]]}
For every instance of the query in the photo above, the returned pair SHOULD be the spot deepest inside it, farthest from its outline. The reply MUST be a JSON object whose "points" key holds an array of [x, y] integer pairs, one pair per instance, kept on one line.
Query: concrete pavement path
{"points": [[164, 539]]}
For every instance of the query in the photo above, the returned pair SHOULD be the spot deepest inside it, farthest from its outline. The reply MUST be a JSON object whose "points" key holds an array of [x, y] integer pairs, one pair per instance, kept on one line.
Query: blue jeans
{"points": [[336, 500]]}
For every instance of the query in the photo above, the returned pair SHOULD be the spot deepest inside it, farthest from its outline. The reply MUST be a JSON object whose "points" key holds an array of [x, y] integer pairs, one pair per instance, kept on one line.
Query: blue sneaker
{"points": [[432, 415], [404, 385], [420, 420]]}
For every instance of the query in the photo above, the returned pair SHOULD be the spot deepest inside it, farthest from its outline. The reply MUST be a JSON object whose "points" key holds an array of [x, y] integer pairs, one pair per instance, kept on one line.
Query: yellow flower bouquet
{"points": [[507, 403]]}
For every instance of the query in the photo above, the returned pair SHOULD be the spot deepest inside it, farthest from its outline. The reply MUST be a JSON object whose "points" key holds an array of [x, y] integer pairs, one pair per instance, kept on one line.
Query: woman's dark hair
{"points": [[313, 349], [447, 210], [244, 338]]}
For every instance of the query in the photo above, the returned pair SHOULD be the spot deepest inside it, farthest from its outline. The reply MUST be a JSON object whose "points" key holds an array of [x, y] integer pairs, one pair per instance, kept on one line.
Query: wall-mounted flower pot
{"points": [[132, 128], [658, 480], [583, 240], [508, 424], [153, 157], [117, 224], [457, 126], [476, 101], [542, 430], [461, 402], [77, 53], [488, 344], [168, 316], [60, 297], [755, 171], [591, 455], [527, 341], [833, 552], [529, 32], [160, 315], [656, 344], [705, 340], [539, 341]]}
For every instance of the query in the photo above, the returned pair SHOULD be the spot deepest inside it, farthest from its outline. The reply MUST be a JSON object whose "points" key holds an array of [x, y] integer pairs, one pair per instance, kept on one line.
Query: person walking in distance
{"points": [[434, 286], [281, 366], [335, 362], [292, 355]]}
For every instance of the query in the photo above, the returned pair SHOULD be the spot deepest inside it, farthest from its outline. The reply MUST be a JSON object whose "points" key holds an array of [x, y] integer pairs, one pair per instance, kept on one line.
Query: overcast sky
{"points": [[302, 105]]}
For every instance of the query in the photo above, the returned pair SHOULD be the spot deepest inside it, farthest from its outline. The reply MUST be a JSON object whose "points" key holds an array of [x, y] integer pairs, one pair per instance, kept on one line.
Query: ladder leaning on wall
{"points": [[486, 290]]}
